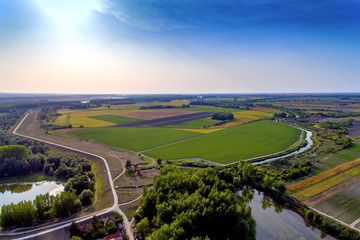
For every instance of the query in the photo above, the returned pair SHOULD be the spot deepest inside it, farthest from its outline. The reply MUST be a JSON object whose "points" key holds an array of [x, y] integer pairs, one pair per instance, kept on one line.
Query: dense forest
{"points": [[195, 204]]}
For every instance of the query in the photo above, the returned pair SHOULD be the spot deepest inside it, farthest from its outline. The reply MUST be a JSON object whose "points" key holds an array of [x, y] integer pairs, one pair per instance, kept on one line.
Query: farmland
{"points": [[344, 205], [335, 172], [135, 139], [115, 119], [233, 144]]}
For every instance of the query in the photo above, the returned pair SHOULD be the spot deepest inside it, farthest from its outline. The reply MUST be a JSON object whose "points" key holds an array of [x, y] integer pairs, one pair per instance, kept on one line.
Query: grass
{"points": [[337, 159], [233, 144], [135, 139], [115, 119], [344, 205], [323, 176]]}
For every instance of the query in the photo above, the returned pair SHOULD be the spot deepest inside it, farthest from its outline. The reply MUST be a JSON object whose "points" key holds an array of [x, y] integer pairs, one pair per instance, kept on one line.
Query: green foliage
{"points": [[79, 183], [86, 197], [66, 204], [13, 151], [43, 203], [196, 203], [296, 171], [19, 215], [223, 116]]}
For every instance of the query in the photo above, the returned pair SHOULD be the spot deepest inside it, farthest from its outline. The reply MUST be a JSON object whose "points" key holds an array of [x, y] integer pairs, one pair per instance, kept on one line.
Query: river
{"points": [[274, 222]]}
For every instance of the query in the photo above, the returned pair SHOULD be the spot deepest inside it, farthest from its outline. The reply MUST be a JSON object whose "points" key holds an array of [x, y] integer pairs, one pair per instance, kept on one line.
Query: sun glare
{"points": [[67, 13]]}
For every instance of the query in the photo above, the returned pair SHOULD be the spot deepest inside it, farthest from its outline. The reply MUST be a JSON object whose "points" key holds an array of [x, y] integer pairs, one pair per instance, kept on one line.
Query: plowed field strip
{"points": [[332, 191], [167, 121]]}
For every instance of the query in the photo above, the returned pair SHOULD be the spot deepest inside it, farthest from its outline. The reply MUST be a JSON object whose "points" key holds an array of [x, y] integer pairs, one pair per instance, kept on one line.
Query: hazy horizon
{"points": [[179, 47]]}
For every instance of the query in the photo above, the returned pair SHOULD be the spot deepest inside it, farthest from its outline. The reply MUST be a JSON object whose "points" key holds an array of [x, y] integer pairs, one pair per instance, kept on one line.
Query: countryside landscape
{"points": [[179, 120], [299, 153]]}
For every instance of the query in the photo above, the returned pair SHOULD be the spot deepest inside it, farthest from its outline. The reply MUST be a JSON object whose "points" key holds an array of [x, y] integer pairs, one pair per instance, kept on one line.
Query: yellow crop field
{"points": [[79, 118], [321, 177], [243, 117]]}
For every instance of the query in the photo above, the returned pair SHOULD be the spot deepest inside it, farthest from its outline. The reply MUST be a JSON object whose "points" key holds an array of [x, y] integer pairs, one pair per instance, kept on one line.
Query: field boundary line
{"points": [[167, 144]]}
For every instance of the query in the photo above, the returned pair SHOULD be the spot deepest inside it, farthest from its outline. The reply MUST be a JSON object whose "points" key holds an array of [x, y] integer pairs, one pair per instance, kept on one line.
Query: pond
{"points": [[17, 192], [274, 222]]}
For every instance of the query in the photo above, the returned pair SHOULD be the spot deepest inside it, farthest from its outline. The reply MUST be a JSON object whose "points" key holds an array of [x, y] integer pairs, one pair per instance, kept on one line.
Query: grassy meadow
{"points": [[136, 138], [233, 144]]}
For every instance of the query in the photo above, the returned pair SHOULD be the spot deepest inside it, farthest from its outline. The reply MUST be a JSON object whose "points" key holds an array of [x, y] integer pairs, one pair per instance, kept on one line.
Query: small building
{"points": [[115, 236], [136, 166]]}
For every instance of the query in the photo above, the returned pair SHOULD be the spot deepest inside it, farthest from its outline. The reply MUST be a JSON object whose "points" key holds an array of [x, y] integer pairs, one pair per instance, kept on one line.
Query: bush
{"points": [[86, 197]]}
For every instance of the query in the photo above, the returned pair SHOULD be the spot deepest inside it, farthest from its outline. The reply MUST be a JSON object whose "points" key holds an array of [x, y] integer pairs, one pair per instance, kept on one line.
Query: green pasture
{"points": [[200, 123], [115, 119], [233, 144], [134, 138], [337, 159], [344, 205]]}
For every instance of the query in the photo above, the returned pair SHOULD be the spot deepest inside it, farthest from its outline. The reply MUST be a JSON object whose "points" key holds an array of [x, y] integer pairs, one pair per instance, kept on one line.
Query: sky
{"points": [[172, 46]]}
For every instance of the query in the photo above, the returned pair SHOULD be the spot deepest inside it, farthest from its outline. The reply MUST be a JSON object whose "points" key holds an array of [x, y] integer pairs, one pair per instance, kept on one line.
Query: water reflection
{"points": [[16, 192], [15, 188], [275, 222]]}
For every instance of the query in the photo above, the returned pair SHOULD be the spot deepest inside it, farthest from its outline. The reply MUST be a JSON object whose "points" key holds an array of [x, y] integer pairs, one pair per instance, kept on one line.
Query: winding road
{"points": [[56, 226]]}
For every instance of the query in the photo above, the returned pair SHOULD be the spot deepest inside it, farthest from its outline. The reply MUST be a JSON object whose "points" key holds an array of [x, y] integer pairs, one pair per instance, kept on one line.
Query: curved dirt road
{"points": [[114, 207]]}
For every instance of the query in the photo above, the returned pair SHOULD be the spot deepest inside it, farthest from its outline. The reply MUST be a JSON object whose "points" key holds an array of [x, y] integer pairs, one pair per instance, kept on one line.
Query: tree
{"points": [[128, 164], [143, 227], [66, 204], [223, 116], [74, 230], [43, 203], [86, 197], [159, 161]]}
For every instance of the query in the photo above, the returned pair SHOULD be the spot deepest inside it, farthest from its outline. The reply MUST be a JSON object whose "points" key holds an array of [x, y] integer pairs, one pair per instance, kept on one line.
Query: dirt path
{"points": [[331, 192]]}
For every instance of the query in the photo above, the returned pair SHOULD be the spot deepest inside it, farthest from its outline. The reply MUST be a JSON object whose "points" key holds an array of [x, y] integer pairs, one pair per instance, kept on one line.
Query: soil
{"points": [[159, 113]]}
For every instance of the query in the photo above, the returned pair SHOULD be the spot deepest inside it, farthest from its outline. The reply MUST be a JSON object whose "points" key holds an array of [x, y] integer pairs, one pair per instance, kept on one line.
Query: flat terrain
{"points": [[317, 184], [344, 205], [233, 144], [337, 159], [115, 119], [135, 139]]}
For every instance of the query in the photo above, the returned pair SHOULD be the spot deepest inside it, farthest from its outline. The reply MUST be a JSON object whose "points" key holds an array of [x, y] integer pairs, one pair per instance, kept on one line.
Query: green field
{"points": [[200, 123], [136, 138], [233, 144], [344, 205], [337, 159], [115, 119]]}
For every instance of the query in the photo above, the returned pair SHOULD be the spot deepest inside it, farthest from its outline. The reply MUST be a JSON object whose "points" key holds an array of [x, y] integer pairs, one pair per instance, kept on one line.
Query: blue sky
{"points": [[171, 46]]}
